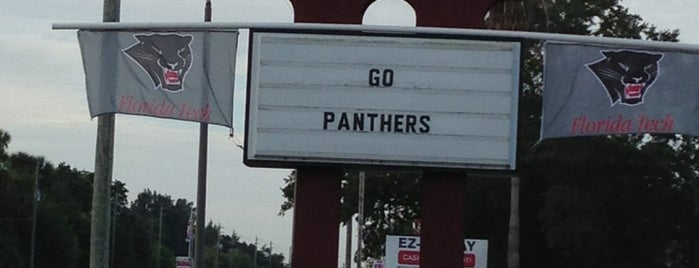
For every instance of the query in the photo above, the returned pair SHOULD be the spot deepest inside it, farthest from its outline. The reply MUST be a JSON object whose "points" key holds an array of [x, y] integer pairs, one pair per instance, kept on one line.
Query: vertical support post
{"points": [[317, 198], [442, 234], [360, 219], [316, 218], [112, 241], [201, 197], [201, 179], [442, 230], [348, 243], [513, 237], [101, 205], [104, 160]]}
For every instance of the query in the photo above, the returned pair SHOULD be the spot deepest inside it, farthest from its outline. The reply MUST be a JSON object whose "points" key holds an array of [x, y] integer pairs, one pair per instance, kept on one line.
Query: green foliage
{"points": [[391, 206], [604, 197], [63, 221], [4, 142], [241, 259]]}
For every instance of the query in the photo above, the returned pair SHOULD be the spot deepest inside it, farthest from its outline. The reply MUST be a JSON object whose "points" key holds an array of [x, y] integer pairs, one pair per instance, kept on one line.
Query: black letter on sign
{"points": [[374, 79], [327, 118], [424, 122], [385, 79]]}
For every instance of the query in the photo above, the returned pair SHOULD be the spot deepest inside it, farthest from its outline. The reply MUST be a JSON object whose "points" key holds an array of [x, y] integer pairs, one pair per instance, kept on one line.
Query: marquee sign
{"points": [[347, 98]]}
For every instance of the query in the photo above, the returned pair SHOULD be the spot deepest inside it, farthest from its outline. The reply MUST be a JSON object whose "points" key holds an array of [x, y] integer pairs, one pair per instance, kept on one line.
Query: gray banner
{"points": [[592, 90], [183, 75]]}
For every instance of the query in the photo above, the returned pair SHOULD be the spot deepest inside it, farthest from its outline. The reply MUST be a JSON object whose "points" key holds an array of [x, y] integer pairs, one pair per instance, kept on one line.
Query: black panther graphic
{"points": [[165, 57], [626, 74]]}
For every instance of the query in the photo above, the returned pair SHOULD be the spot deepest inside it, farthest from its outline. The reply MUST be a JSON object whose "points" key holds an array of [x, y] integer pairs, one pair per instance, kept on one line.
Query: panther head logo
{"points": [[626, 75], [165, 57]]}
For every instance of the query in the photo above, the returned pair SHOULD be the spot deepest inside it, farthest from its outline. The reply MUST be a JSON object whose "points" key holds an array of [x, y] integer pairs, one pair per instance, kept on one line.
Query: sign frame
{"points": [[282, 161]]}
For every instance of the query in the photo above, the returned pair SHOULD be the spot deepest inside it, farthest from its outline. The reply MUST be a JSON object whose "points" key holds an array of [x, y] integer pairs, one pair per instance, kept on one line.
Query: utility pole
{"points": [[230, 252], [35, 206], [201, 178], [270, 254], [218, 245], [104, 159], [112, 241], [160, 235], [255, 258]]}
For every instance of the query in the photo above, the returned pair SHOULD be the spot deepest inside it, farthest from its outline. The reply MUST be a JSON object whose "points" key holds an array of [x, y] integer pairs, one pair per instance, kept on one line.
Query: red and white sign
{"points": [[404, 252], [183, 262]]}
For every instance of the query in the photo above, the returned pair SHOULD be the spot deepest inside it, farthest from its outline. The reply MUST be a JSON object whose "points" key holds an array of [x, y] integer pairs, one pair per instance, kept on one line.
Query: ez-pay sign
{"points": [[414, 243], [404, 252]]}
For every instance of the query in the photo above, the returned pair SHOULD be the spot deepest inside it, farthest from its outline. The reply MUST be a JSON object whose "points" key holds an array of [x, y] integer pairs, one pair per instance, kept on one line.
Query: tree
{"points": [[570, 213], [140, 225], [63, 218], [4, 142]]}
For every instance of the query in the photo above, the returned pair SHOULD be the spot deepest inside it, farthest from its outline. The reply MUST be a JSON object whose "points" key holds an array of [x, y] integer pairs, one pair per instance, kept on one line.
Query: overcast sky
{"points": [[43, 104]]}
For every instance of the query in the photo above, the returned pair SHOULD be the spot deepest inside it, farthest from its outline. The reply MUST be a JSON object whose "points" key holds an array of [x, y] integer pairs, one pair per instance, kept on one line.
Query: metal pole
{"points": [[513, 238], [360, 219], [348, 244], [35, 206], [270, 254], [201, 178]]}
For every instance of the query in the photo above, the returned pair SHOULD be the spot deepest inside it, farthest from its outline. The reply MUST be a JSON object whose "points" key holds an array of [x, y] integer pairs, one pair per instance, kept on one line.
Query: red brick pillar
{"points": [[442, 233], [316, 218], [330, 11], [317, 204], [451, 13], [442, 229]]}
